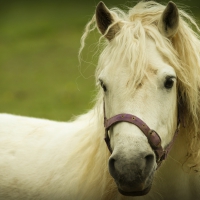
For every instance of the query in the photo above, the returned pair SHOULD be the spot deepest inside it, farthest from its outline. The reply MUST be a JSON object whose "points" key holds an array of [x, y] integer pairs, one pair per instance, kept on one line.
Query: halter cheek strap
{"points": [[152, 136]]}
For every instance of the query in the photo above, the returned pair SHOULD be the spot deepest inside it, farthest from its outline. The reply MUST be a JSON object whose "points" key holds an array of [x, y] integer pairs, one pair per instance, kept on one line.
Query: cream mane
{"points": [[182, 52]]}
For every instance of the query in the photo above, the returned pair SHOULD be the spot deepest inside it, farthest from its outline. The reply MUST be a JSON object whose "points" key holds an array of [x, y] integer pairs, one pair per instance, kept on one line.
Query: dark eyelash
{"points": [[103, 85]]}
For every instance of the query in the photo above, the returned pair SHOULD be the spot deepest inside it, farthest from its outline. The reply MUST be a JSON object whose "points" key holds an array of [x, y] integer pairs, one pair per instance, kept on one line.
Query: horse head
{"points": [[137, 79]]}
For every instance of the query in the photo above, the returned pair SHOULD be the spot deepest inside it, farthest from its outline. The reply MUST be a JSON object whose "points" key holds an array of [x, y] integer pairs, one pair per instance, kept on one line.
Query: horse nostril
{"points": [[112, 166], [149, 160]]}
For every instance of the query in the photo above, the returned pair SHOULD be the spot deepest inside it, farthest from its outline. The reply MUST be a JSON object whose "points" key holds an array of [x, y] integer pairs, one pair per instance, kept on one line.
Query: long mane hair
{"points": [[182, 52]]}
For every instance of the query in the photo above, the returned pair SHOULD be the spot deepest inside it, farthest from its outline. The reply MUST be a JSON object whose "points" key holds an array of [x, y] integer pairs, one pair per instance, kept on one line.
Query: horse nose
{"points": [[132, 171], [145, 161], [149, 160]]}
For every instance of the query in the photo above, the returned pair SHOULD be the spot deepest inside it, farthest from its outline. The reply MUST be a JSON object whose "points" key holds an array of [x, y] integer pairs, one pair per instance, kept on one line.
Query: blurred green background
{"points": [[39, 70]]}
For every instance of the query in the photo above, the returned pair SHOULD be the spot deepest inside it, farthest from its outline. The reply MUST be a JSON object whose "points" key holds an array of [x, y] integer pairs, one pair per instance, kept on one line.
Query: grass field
{"points": [[39, 73]]}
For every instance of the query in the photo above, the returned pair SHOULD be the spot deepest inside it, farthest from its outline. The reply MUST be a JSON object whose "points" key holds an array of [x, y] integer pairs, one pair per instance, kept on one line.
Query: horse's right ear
{"points": [[104, 19]]}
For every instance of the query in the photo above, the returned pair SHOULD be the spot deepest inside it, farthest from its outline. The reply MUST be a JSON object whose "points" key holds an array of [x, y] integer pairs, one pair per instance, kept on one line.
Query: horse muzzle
{"points": [[133, 176]]}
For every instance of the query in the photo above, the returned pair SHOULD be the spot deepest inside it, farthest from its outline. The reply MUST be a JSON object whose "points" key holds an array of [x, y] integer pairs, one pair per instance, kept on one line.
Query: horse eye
{"points": [[169, 82], [103, 86]]}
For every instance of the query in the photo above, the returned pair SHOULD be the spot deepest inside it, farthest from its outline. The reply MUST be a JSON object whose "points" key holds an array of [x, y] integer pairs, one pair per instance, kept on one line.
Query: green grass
{"points": [[39, 73]]}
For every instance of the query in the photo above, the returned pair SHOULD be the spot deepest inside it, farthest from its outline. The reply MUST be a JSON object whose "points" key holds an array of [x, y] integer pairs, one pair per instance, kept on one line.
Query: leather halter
{"points": [[152, 136]]}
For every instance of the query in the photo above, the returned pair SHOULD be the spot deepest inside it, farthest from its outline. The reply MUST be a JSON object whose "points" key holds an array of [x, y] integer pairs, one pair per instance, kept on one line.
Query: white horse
{"points": [[149, 70]]}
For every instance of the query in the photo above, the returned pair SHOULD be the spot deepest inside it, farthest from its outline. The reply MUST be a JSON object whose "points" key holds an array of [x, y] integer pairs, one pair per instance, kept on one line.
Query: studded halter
{"points": [[152, 136]]}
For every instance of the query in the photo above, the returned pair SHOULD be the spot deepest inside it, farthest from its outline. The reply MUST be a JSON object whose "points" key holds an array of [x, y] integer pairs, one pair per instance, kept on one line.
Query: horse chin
{"points": [[135, 193]]}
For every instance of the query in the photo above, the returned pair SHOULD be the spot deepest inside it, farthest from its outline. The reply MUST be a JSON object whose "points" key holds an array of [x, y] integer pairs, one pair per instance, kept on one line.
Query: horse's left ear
{"points": [[169, 21], [105, 18]]}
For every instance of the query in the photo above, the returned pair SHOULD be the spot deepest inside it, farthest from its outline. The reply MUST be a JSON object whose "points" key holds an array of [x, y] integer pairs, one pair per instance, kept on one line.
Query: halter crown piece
{"points": [[152, 136]]}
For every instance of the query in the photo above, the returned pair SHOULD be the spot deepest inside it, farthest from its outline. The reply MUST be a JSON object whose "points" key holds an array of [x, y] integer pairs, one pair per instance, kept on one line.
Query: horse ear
{"points": [[104, 19], [169, 21]]}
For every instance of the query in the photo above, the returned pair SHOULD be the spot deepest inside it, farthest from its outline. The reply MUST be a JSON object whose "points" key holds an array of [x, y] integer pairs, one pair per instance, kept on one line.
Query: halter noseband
{"points": [[152, 137]]}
